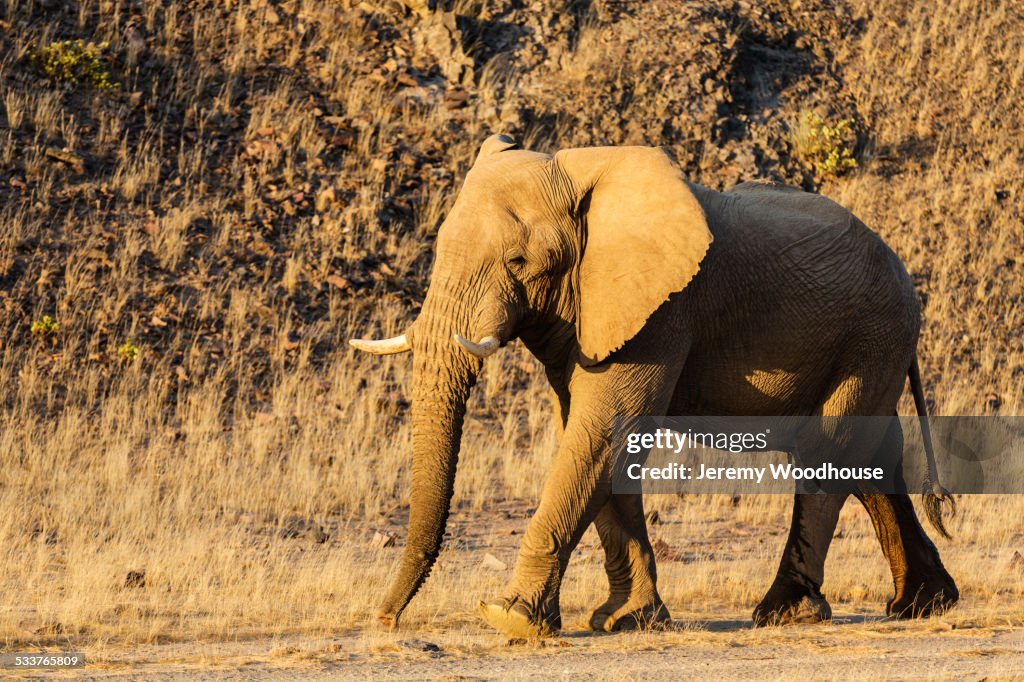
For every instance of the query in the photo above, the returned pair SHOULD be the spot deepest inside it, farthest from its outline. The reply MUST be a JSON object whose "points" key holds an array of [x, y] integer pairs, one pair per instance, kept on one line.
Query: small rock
{"points": [[664, 552], [493, 563], [418, 645], [76, 162], [537, 643], [299, 527], [50, 629], [290, 341], [325, 198], [135, 579], [456, 99], [420, 7], [382, 540], [50, 537], [136, 41], [45, 279], [338, 281]]}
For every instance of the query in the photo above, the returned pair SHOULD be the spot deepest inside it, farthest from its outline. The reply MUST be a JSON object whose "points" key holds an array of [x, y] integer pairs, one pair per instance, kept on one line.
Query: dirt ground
{"points": [[722, 645]]}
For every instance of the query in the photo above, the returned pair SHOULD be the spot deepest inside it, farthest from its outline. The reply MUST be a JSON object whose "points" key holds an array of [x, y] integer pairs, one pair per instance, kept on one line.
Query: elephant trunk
{"points": [[442, 377]]}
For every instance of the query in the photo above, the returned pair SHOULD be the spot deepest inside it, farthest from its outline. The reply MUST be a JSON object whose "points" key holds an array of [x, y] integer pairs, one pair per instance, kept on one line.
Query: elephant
{"points": [[642, 293]]}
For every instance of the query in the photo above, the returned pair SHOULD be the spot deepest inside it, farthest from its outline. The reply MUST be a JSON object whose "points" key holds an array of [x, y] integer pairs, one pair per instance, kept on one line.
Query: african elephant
{"points": [[642, 293]]}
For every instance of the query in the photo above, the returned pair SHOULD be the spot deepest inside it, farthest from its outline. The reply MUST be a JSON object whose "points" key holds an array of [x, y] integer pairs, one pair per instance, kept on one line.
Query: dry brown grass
{"points": [[266, 196]]}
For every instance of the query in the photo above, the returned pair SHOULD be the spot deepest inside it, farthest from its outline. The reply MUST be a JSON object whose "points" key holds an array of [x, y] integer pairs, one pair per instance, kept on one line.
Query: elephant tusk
{"points": [[397, 344], [486, 347]]}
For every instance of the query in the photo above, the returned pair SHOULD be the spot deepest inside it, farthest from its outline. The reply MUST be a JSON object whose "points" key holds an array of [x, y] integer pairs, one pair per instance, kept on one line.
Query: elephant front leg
{"points": [[633, 602], [573, 494], [578, 486], [795, 596]]}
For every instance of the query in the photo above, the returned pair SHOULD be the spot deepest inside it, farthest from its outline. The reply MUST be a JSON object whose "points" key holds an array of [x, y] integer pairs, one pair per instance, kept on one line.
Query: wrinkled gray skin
{"points": [[644, 294]]}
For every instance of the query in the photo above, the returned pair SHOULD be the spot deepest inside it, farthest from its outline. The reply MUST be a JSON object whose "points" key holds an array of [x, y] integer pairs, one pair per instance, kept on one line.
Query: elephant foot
{"points": [[620, 614], [514, 618], [788, 603], [387, 619], [928, 597]]}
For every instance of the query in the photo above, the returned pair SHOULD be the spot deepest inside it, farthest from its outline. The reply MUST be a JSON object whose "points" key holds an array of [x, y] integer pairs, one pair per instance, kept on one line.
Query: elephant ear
{"points": [[644, 238]]}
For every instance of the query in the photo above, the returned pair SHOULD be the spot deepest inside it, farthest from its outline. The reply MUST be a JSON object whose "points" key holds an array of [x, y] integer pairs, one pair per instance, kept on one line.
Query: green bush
{"points": [[73, 61], [129, 352], [44, 327], [827, 148]]}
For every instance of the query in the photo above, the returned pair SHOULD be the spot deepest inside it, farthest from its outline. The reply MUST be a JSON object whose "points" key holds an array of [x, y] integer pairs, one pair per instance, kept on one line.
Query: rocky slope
{"points": [[266, 169]]}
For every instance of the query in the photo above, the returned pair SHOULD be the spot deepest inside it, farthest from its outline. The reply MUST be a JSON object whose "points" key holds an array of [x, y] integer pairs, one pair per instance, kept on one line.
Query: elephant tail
{"points": [[934, 494]]}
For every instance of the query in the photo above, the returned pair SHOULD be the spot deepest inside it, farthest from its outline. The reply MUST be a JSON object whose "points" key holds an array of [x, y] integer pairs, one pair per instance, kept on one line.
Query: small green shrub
{"points": [[73, 61], [129, 352], [44, 327], [827, 148]]}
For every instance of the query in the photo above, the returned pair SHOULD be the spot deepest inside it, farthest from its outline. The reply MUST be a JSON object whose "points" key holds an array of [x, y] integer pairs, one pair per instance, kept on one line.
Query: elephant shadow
{"points": [[724, 625]]}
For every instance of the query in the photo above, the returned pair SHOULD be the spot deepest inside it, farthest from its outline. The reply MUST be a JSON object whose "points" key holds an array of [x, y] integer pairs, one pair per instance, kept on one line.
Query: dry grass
{"points": [[255, 193]]}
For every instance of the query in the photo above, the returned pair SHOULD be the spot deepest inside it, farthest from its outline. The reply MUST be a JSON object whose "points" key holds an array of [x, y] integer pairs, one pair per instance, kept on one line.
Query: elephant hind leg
{"points": [[921, 584], [633, 602], [795, 595]]}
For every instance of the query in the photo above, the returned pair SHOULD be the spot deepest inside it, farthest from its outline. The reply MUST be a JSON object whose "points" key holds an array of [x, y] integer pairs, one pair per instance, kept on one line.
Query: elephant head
{"points": [[572, 253]]}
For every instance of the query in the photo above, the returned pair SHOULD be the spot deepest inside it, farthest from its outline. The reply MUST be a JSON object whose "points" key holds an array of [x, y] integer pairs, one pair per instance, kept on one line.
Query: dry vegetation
{"points": [[266, 180]]}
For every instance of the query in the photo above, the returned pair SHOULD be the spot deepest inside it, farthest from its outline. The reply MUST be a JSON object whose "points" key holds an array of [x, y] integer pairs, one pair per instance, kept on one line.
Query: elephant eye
{"points": [[517, 262]]}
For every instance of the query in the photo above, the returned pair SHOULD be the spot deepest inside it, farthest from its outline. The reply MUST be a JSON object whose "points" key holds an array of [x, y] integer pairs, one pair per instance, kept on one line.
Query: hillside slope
{"points": [[265, 168]]}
